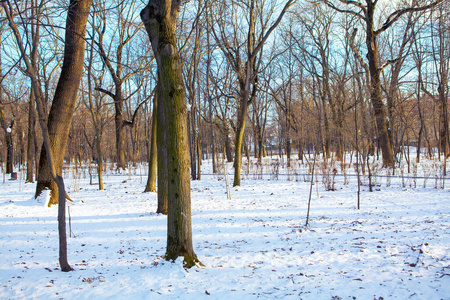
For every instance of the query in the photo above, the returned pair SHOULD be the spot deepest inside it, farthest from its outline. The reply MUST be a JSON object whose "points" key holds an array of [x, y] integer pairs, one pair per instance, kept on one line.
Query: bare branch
{"points": [[356, 51], [398, 13], [272, 28], [131, 123], [100, 89], [348, 11]]}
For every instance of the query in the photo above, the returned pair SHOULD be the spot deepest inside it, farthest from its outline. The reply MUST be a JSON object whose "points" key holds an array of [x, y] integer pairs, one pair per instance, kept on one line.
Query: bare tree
{"points": [[245, 57], [119, 70], [160, 19], [56, 131], [366, 13]]}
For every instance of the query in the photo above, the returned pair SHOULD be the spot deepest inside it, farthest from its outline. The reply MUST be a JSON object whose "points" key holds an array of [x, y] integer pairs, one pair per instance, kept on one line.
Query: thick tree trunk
{"points": [[379, 108], [162, 177], [239, 142], [160, 17], [61, 112]]}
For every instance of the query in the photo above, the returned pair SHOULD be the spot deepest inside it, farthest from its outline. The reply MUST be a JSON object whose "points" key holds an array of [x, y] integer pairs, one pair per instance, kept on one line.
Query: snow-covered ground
{"points": [[254, 245]]}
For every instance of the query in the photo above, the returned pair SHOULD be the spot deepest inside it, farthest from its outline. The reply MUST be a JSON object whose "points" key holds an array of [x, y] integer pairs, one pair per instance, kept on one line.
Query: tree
{"points": [[3, 120], [440, 49], [63, 105], [160, 19], [56, 131], [94, 110], [246, 62], [366, 13], [118, 69]]}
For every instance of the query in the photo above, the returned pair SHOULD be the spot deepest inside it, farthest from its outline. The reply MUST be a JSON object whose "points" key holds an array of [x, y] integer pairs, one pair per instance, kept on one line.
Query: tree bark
{"points": [[160, 18], [239, 141], [161, 149]]}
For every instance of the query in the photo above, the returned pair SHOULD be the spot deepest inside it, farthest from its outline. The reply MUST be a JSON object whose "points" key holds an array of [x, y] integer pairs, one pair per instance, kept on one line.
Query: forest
{"points": [[111, 86]]}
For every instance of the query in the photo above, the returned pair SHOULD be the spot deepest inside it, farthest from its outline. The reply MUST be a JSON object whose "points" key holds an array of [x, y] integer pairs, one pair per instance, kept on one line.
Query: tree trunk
{"points": [[120, 128], [30, 138], [35, 36], [375, 90], [160, 18], [242, 116], [161, 155], [153, 159], [5, 126], [228, 151], [63, 106], [94, 114]]}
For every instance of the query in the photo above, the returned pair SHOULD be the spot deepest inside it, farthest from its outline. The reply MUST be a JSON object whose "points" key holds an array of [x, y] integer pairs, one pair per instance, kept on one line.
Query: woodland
{"points": [[170, 84]]}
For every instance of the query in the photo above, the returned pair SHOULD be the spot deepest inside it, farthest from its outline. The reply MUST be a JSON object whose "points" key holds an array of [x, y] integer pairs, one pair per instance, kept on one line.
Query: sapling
{"points": [[388, 177], [414, 171], [370, 174], [227, 182]]}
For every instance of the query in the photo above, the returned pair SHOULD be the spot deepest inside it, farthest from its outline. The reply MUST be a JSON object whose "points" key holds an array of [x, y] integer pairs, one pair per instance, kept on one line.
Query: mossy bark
{"points": [[161, 157], [160, 18], [240, 137]]}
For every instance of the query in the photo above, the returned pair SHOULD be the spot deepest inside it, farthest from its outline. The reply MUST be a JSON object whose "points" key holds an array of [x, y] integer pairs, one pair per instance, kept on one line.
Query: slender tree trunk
{"points": [[153, 159], [160, 18], [208, 92], [95, 120], [9, 151], [30, 138], [228, 151], [7, 128], [35, 30], [120, 128]]}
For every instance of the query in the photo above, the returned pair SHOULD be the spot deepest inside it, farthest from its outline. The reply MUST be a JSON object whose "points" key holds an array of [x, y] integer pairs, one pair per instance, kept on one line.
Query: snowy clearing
{"points": [[253, 246]]}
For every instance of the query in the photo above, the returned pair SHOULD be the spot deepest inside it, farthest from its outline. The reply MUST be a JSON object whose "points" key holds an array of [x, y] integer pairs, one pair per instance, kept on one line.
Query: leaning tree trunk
{"points": [[63, 106], [160, 18]]}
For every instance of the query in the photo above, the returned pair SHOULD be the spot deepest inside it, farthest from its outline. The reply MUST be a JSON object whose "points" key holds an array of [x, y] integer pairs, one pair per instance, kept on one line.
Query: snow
{"points": [[254, 245]]}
